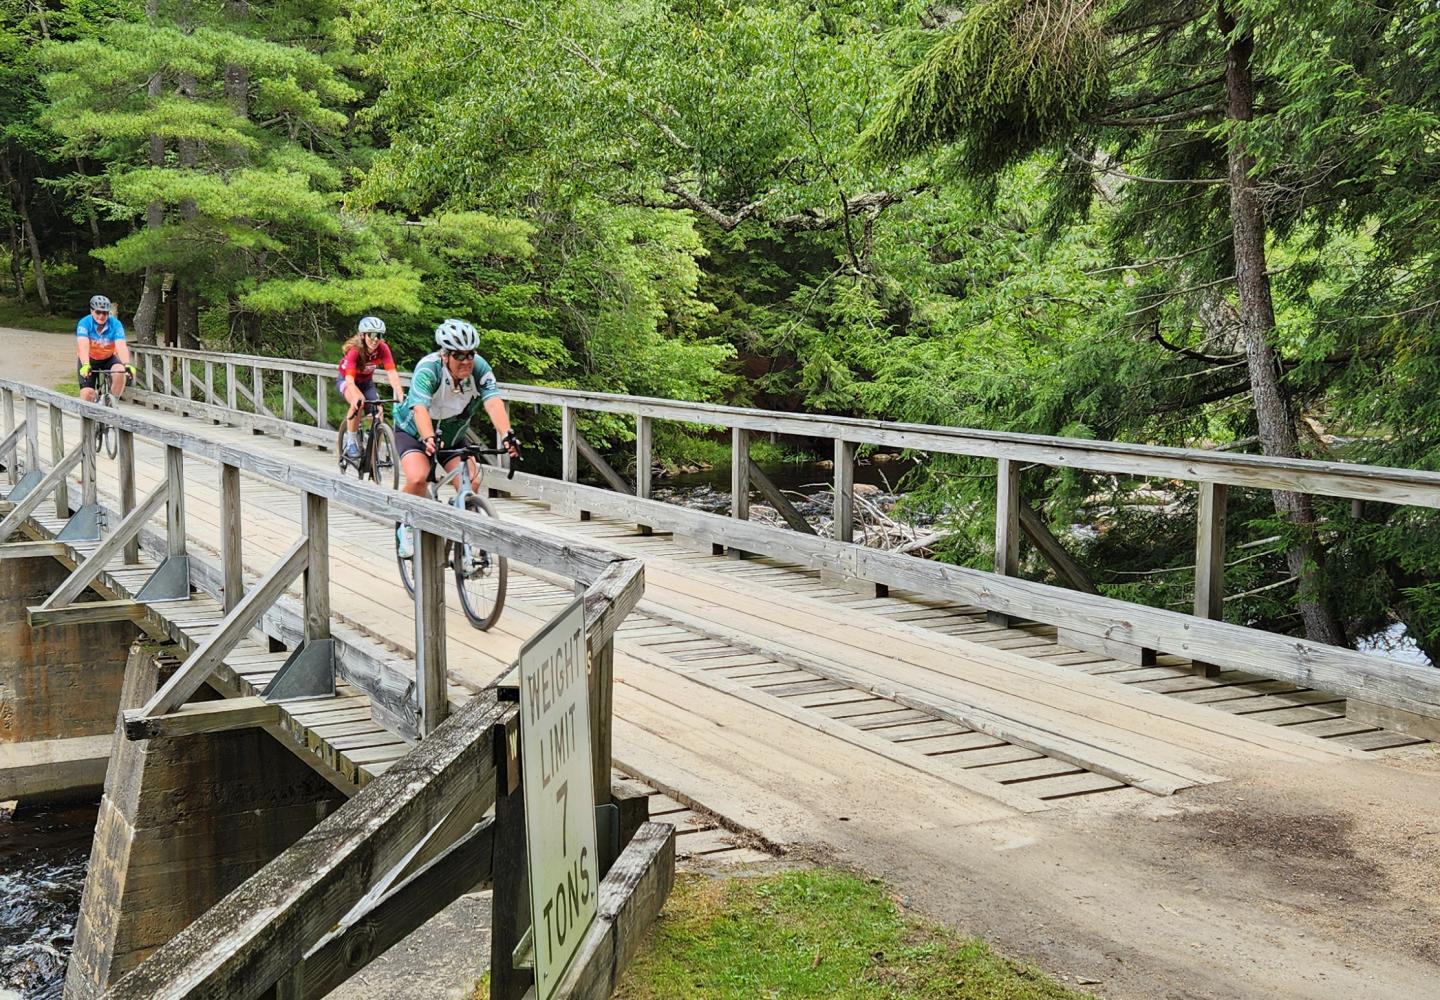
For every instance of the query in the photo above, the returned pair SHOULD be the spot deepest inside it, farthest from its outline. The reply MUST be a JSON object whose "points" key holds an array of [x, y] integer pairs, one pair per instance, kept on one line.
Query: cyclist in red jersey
{"points": [[360, 356]]}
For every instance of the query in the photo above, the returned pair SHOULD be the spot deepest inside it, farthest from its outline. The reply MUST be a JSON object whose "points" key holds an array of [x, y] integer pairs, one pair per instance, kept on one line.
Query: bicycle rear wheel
{"points": [[480, 576], [340, 450]]}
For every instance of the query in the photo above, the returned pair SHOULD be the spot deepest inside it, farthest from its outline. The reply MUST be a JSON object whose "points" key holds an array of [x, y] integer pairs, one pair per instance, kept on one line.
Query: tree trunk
{"points": [[149, 307], [17, 275], [1273, 410], [19, 199]]}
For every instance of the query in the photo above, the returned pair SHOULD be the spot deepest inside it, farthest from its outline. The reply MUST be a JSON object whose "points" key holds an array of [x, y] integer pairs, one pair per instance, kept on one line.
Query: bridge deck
{"points": [[1006, 713]]}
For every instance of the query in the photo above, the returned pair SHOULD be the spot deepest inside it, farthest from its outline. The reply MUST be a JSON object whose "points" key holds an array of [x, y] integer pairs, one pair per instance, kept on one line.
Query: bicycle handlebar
{"points": [[474, 451]]}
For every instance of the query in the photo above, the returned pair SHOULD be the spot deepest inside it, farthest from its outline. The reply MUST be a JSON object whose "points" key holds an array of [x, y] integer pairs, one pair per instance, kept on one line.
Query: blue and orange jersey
{"points": [[102, 339]]}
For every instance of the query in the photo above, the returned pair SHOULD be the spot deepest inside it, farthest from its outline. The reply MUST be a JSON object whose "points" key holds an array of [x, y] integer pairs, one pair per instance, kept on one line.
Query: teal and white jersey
{"points": [[451, 404]]}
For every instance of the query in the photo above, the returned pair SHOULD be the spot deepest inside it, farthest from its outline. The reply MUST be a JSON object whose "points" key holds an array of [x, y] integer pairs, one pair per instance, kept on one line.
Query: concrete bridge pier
{"points": [[183, 821], [59, 689]]}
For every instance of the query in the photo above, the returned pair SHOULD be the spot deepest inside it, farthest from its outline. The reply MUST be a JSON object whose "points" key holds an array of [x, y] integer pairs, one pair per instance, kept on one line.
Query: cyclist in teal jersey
{"points": [[447, 389], [100, 347]]}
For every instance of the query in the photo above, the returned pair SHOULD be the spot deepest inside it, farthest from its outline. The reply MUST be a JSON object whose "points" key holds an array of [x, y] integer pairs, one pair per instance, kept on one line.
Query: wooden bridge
{"points": [[810, 691]]}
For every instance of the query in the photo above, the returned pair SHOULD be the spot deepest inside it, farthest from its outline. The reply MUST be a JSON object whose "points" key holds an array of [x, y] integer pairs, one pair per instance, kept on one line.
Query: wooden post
{"points": [[231, 566], [510, 891], [209, 381], [569, 447], [232, 399], [844, 490], [1007, 527], [12, 463], [149, 371], [1210, 559], [89, 495], [322, 419], [167, 364], [602, 698], [740, 473], [32, 434], [287, 394], [186, 378], [175, 507], [430, 667], [57, 452], [257, 383], [125, 457], [315, 523], [643, 443]]}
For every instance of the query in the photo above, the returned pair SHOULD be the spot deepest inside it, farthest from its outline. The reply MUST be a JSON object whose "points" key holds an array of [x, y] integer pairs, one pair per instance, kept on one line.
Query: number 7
{"points": [[562, 795]]}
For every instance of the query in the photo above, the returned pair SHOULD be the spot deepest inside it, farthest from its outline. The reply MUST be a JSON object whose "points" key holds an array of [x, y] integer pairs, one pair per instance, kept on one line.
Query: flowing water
{"points": [[43, 853]]}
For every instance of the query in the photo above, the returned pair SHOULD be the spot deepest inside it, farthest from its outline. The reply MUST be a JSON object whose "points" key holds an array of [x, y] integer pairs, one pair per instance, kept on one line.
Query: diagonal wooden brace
{"points": [[44, 488], [187, 680], [75, 584]]}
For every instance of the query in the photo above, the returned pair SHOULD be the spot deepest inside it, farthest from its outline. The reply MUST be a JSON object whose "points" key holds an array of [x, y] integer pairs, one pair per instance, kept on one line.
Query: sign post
{"points": [[556, 773]]}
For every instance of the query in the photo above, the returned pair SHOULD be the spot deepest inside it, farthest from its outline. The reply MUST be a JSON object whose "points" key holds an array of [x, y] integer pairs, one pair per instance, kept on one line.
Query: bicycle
{"points": [[107, 438], [480, 576], [377, 445]]}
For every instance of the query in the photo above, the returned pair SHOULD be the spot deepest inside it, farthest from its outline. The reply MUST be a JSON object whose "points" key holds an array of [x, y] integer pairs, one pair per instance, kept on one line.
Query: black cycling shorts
{"points": [[96, 367]]}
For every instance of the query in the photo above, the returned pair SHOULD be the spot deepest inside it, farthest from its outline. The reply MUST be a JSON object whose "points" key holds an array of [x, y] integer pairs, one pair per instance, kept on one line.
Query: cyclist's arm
{"points": [[395, 386], [122, 351], [82, 345], [424, 426], [495, 407]]}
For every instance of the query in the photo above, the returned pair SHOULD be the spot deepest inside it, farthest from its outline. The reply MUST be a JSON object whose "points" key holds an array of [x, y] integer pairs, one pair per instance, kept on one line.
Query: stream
{"points": [[43, 854]]}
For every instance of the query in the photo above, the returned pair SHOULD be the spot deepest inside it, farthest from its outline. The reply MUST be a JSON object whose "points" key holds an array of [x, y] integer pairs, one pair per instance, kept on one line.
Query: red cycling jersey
{"points": [[351, 365]]}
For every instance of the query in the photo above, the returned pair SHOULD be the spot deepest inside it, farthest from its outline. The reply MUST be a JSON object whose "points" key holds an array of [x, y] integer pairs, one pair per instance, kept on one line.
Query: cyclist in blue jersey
{"points": [[100, 347], [447, 388]]}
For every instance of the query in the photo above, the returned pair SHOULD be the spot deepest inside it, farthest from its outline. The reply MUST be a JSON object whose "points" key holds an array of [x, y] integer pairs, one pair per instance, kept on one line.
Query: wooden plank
{"points": [[430, 654], [740, 474], [778, 500], [631, 895], [315, 526], [598, 463], [232, 565], [57, 453], [1368, 713], [202, 717], [1035, 529], [85, 573], [844, 503], [360, 940], [89, 612], [52, 480], [643, 456], [32, 550], [187, 680], [125, 465], [231, 949], [175, 509], [1210, 559]]}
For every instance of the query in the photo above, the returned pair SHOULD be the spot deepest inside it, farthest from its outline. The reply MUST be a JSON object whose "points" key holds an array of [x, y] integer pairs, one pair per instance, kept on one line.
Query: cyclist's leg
{"points": [[351, 394], [414, 464], [117, 377], [87, 383]]}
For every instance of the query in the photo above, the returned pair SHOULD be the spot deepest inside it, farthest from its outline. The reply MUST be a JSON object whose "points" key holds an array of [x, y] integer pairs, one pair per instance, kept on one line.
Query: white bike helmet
{"points": [[100, 302], [373, 324], [456, 335]]}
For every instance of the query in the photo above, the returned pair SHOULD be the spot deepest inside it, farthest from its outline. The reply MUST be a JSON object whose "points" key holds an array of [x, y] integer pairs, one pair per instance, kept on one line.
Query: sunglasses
{"points": [[100, 312], [463, 355]]}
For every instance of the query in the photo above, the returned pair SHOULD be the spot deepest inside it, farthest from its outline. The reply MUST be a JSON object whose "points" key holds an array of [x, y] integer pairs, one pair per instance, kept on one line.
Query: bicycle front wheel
{"points": [[480, 576], [384, 466], [108, 435]]}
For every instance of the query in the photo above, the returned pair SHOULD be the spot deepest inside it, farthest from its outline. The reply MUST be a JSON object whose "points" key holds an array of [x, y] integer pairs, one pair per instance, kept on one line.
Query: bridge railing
{"points": [[1084, 618]]}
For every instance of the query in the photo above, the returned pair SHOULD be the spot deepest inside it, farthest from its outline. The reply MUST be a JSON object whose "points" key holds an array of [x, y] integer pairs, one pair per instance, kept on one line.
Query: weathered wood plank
{"points": [[90, 612], [247, 941], [202, 717]]}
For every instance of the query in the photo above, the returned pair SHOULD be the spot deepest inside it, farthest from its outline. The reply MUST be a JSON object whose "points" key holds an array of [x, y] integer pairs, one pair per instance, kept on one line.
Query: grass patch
{"points": [[815, 933], [30, 317]]}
